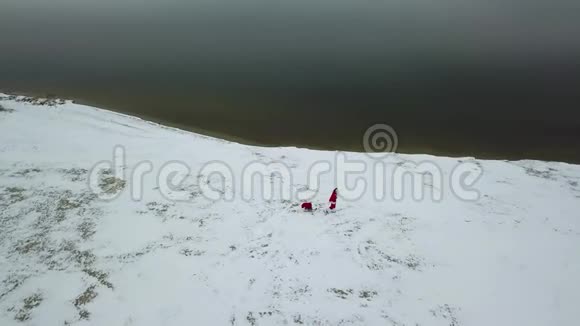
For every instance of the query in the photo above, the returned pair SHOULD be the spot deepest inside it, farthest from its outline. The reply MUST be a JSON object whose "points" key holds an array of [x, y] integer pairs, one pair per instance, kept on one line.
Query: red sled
{"points": [[306, 206]]}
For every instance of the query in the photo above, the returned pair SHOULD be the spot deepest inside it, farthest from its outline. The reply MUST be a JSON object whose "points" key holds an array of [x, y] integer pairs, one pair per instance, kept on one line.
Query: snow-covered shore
{"points": [[512, 257]]}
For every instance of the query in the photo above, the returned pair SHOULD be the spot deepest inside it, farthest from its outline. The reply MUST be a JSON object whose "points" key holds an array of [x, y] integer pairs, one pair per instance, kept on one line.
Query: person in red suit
{"points": [[332, 199]]}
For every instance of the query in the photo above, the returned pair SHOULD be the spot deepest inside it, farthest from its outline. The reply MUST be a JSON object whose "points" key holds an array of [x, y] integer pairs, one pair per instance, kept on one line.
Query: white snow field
{"points": [[67, 257]]}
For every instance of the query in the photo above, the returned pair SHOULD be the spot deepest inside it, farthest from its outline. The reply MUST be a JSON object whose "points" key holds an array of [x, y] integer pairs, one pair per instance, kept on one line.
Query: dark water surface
{"points": [[483, 78]]}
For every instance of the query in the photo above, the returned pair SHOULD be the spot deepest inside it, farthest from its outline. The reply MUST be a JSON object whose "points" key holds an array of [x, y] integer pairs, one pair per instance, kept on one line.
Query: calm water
{"points": [[483, 78]]}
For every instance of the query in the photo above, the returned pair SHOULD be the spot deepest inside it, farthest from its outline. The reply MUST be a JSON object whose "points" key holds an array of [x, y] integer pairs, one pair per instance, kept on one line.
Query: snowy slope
{"points": [[512, 257]]}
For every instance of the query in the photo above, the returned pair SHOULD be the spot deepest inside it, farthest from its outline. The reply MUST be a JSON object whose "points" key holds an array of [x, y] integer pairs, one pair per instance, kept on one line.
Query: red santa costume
{"points": [[332, 199]]}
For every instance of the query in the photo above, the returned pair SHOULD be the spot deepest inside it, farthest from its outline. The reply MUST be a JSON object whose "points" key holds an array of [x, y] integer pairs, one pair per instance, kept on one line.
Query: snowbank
{"points": [[66, 256]]}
